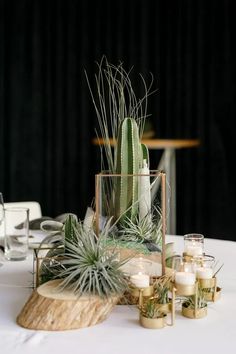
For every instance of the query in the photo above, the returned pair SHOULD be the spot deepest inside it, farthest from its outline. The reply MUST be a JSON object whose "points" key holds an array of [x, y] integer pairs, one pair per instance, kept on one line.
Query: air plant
{"points": [[151, 309], [161, 288], [88, 267], [189, 301], [146, 230], [114, 101]]}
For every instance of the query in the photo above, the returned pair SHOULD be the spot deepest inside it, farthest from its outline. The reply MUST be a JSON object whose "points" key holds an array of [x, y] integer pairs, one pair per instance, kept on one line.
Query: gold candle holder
{"points": [[207, 283], [194, 312], [185, 290], [213, 295], [211, 291], [146, 292], [141, 294], [152, 323], [165, 309]]}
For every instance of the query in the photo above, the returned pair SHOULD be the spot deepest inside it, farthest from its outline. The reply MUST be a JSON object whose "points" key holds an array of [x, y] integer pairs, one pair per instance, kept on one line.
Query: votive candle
{"points": [[140, 280], [193, 244], [194, 250], [185, 278], [204, 273]]}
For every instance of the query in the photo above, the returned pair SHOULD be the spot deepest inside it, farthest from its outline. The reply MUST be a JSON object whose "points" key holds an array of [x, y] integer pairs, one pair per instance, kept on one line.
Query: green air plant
{"points": [[145, 230], [161, 287], [88, 267], [189, 301], [150, 309]]}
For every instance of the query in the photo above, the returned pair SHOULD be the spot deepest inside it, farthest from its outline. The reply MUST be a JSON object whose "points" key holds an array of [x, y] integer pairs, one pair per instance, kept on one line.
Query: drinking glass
{"points": [[1, 208], [16, 233], [140, 272], [194, 244], [1, 221], [177, 263]]}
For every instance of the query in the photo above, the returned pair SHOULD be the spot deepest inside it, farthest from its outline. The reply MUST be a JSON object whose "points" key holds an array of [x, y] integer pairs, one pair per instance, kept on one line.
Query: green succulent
{"points": [[129, 159]]}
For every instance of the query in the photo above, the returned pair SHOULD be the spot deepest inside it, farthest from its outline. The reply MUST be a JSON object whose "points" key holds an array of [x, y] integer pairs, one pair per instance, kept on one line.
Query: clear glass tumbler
{"points": [[194, 244], [16, 233]]}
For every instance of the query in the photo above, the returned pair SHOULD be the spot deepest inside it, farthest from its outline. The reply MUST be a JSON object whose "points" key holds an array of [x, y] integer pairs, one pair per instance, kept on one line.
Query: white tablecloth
{"points": [[121, 332]]}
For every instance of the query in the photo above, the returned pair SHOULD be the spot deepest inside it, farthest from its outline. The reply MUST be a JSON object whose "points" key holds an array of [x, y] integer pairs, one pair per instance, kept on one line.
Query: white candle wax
{"points": [[194, 250], [204, 273], [185, 278], [140, 280]]}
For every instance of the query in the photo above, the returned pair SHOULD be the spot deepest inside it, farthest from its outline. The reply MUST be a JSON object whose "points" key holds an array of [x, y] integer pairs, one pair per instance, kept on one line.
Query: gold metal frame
{"points": [[153, 173], [37, 261]]}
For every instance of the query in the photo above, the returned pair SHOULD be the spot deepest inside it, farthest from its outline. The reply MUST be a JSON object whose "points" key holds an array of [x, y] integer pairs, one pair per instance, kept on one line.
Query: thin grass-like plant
{"points": [[114, 100]]}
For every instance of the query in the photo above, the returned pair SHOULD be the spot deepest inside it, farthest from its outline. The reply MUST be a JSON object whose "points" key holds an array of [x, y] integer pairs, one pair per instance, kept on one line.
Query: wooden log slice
{"points": [[50, 309]]}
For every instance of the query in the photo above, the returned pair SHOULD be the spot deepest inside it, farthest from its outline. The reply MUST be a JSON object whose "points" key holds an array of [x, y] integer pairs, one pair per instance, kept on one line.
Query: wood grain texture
{"points": [[50, 309]]}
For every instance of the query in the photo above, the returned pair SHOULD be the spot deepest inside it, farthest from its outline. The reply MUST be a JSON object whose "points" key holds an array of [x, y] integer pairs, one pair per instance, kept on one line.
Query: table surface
{"points": [[158, 143], [121, 333]]}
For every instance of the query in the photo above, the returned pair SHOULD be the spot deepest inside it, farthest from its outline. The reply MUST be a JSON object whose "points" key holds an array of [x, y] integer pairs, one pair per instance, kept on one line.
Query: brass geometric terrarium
{"points": [[137, 205]]}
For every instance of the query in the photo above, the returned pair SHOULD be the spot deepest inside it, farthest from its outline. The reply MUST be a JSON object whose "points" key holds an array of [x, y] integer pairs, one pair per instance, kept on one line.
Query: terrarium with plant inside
{"points": [[127, 190]]}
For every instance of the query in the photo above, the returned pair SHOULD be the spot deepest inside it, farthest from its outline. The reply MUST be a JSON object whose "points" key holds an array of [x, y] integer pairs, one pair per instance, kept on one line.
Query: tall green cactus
{"points": [[129, 157]]}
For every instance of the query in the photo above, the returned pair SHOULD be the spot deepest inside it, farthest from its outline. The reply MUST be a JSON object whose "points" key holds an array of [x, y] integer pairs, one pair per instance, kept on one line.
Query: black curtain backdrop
{"points": [[47, 119]]}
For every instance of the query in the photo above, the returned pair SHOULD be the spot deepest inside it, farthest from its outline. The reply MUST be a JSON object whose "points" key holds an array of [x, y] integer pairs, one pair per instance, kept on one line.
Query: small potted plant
{"points": [[151, 316], [195, 306], [154, 310]]}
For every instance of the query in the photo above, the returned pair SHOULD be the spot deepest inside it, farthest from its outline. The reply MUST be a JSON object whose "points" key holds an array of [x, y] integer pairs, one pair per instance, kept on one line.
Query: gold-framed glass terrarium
{"points": [[136, 206], [44, 258]]}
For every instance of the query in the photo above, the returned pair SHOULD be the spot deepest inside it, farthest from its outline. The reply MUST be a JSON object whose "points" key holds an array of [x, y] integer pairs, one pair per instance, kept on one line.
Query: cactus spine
{"points": [[129, 157]]}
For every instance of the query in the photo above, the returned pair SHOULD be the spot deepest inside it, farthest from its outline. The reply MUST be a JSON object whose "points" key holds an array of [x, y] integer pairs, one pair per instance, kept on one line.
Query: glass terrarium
{"points": [[135, 207]]}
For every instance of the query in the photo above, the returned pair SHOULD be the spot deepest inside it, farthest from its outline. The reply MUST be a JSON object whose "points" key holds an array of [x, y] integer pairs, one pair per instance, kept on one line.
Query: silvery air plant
{"points": [[84, 263], [131, 197]]}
